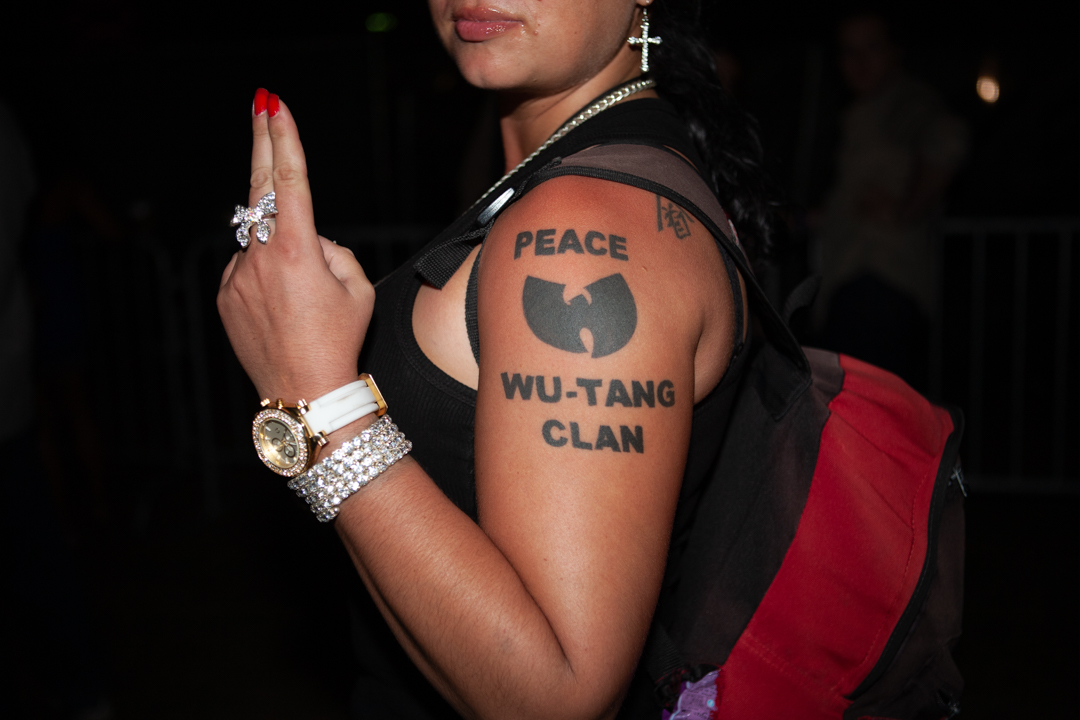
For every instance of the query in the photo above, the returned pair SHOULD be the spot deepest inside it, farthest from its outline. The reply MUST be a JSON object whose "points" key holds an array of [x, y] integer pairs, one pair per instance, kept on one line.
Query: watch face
{"points": [[281, 442]]}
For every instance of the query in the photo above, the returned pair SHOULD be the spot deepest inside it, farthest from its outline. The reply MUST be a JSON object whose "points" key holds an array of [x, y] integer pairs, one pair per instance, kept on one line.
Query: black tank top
{"points": [[437, 412]]}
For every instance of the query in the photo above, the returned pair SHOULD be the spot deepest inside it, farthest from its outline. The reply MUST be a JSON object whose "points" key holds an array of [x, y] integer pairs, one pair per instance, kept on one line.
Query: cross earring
{"points": [[644, 41]]}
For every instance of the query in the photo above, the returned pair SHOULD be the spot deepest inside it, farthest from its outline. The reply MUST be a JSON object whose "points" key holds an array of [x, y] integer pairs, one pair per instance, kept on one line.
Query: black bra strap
{"points": [[471, 324]]}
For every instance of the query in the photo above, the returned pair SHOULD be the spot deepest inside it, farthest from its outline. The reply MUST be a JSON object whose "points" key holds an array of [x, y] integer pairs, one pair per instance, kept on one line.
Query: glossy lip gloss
{"points": [[480, 24]]}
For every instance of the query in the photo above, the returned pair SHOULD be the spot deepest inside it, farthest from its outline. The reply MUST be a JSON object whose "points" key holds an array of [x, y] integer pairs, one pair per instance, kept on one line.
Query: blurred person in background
{"points": [[900, 148]]}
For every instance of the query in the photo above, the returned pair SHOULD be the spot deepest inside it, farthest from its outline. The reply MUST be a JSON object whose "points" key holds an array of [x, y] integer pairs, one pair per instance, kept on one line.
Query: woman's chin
{"points": [[497, 76]]}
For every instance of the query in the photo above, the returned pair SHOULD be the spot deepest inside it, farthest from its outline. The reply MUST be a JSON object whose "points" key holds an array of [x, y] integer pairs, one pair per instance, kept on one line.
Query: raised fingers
{"points": [[295, 215], [262, 149]]}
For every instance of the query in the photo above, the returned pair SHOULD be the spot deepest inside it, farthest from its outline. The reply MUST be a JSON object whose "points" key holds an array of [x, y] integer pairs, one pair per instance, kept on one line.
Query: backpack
{"points": [[824, 573]]}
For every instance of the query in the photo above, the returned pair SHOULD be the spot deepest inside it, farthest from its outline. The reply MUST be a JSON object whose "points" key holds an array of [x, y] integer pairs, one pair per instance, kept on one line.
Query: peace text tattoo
{"points": [[594, 243]]}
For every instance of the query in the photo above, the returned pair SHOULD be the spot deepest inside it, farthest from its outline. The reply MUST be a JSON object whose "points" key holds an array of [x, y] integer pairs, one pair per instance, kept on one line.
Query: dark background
{"points": [[151, 102], [221, 597]]}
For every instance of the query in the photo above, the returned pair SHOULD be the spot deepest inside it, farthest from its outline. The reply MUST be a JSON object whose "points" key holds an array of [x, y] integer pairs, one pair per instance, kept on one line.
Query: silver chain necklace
{"points": [[592, 111]]}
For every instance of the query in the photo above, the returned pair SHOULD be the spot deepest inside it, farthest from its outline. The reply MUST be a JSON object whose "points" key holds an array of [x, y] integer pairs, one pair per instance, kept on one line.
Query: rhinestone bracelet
{"points": [[349, 468]]}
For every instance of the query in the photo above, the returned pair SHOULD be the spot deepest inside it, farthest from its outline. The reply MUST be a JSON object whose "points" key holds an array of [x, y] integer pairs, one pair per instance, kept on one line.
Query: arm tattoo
{"points": [[554, 432], [596, 243], [611, 317], [668, 214]]}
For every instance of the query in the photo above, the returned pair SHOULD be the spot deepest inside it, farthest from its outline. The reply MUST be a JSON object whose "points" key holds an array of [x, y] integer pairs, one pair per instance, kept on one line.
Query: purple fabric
{"points": [[699, 700]]}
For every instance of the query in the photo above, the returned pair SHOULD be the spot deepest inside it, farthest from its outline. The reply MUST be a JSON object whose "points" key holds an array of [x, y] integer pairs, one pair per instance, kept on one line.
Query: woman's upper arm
{"points": [[589, 322]]}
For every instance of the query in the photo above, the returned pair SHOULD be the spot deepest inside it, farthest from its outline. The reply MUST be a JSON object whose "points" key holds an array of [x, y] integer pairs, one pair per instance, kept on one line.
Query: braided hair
{"points": [[725, 135]]}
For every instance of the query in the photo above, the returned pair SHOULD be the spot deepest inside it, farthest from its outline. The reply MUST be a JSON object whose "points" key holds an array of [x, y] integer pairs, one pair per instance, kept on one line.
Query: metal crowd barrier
{"points": [[1001, 348]]}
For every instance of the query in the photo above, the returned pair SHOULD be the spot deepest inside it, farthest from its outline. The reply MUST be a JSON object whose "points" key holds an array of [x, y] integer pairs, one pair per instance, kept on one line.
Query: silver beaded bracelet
{"points": [[349, 468]]}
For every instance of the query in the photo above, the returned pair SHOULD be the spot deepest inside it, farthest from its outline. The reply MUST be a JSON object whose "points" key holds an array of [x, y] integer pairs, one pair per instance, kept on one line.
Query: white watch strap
{"points": [[338, 408]]}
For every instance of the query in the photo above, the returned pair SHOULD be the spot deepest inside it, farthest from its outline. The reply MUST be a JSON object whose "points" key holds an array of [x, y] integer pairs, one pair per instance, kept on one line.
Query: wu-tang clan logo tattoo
{"points": [[611, 317]]}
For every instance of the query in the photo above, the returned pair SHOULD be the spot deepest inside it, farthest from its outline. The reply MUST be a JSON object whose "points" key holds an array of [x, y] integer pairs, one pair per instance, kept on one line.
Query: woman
{"points": [[530, 592]]}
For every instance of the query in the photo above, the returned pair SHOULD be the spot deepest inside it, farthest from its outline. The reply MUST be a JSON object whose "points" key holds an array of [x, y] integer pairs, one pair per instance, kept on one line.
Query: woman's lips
{"points": [[480, 30], [479, 24]]}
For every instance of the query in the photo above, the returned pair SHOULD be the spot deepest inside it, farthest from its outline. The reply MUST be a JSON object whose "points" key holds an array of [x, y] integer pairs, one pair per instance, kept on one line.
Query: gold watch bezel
{"points": [[304, 442]]}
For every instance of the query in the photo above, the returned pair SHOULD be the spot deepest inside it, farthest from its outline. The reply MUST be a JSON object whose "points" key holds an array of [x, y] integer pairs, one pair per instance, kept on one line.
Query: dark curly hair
{"points": [[725, 135]]}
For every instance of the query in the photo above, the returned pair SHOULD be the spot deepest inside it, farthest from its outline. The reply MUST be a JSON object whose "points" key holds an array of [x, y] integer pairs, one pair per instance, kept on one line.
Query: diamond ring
{"points": [[245, 217]]}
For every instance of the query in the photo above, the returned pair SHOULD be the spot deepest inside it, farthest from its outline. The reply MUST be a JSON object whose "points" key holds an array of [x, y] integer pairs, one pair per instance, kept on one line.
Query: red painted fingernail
{"points": [[273, 104], [258, 107]]}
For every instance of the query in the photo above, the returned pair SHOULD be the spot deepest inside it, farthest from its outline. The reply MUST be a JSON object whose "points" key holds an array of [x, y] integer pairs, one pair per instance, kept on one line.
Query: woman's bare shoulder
{"points": [[578, 234]]}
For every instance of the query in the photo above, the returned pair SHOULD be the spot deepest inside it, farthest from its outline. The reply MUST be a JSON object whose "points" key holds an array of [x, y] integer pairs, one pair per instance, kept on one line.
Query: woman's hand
{"points": [[296, 309]]}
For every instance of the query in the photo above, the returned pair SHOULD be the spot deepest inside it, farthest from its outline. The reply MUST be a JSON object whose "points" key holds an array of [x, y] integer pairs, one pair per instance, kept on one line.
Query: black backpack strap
{"points": [[472, 324], [664, 173], [802, 296]]}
